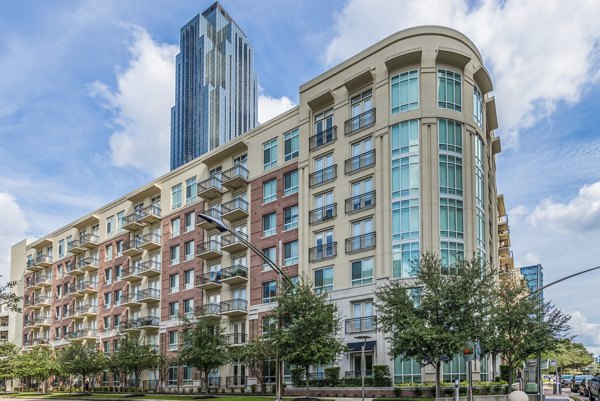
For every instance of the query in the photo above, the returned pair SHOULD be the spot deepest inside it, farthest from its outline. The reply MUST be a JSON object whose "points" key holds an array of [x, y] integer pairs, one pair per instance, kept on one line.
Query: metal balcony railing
{"points": [[360, 243], [362, 121], [236, 171], [360, 162], [322, 138], [213, 182], [234, 271], [323, 176], [235, 203], [322, 214], [361, 324], [322, 252], [234, 305], [210, 245], [238, 338], [150, 266], [208, 309], [360, 202]]}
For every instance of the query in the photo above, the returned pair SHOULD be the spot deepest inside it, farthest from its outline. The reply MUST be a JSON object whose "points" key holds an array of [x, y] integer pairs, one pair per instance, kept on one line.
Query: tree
{"points": [[38, 363], [570, 355], [253, 354], [523, 325], [452, 307], [205, 347], [12, 300], [134, 356], [308, 326], [85, 360], [8, 353]]}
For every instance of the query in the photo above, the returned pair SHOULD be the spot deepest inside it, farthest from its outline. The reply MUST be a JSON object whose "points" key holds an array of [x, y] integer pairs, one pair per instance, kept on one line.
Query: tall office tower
{"points": [[216, 89], [534, 276]]}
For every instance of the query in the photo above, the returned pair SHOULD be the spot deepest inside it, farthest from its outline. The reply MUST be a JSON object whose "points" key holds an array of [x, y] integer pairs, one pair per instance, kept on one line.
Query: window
{"points": [[362, 272], [479, 192], [405, 219], [450, 170], [405, 137], [174, 310], [59, 291], [59, 271], [452, 253], [405, 176], [107, 323], [174, 252], [290, 218], [405, 91], [291, 144], [451, 218], [360, 104], [270, 154], [119, 248], [61, 248], [118, 294], [324, 129], [449, 90], [269, 190], [188, 279], [323, 279], [188, 249], [269, 292], [405, 260], [120, 221], [456, 368], [290, 253], [175, 196], [109, 252], [110, 221], [450, 136], [175, 227], [290, 183], [174, 283], [478, 106], [269, 224], [269, 323], [116, 321], [190, 190], [271, 254], [107, 299], [118, 270], [406, 370], [241, 160], [189, 221], [188, 307], [108, 276], [173, 346]]}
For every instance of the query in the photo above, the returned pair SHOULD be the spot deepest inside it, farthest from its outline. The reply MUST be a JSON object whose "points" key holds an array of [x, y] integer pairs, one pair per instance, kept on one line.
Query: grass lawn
{"points": [[120, 396]]}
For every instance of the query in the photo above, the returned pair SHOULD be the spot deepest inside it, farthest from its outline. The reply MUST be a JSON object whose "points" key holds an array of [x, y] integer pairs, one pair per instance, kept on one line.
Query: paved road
{"points": [[566, 393]]}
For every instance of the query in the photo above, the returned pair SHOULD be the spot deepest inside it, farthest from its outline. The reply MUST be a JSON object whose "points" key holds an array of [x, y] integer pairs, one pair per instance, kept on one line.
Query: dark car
{"points": [[593, 388], [584, 387], [565, 380], [576, 382]]}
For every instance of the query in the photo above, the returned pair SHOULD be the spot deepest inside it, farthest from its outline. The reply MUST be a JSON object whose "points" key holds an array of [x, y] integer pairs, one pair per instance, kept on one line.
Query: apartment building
{"points": [[388, 154]]}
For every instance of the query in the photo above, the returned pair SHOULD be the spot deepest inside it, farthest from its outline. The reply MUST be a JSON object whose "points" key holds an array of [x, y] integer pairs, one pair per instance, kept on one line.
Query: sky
{"points": [[86, 90]]}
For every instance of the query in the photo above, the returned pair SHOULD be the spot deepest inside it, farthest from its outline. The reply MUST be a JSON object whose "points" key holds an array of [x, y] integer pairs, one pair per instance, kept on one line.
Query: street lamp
{"points": [[281, 275], [363, 365]]}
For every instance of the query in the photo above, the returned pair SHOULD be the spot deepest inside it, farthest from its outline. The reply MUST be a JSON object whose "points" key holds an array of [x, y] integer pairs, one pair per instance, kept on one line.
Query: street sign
{"points": [[552, 362]]}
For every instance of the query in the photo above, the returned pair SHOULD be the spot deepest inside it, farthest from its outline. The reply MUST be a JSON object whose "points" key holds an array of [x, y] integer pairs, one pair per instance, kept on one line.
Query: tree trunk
{"points": [[493, 366], [437, 379], [206, 373], [510, 372], [307, 380]]}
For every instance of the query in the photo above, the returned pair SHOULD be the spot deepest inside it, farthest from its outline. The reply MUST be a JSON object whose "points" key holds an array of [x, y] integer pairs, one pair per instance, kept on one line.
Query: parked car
{"points": [[593, 387], [576, 382], [565, 380], [584, 387]]}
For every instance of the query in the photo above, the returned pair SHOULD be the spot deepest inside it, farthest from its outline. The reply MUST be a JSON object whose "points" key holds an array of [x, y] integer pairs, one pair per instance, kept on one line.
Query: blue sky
{"points": [[86, 88]]}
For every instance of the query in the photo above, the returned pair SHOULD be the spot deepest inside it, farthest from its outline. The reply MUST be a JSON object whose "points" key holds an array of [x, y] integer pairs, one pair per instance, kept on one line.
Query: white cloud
{"points": [[269, 107], [12, 230], [587, 333], [142, 104], [540, 52], [529, 259], [580, 215]]}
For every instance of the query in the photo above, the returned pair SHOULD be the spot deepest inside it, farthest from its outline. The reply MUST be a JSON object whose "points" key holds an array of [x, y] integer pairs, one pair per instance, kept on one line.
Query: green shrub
{"points": [[253, 388], [273, 389], [503, 373], [381, 376], [232, 390], [332, 376], [418, 392], [397, 391], [242, 390], [263, 388]]}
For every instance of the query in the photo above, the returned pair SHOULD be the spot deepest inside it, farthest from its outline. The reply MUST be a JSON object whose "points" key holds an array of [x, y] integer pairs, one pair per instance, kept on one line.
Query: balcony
{"points": [[322, 138], [323, 176], [74, 270], [87, 287], [232, 244], [42, 321], [147, 322], [235, 274], [87, 311], [360, 162], [131, 274], [89, 241], [41, 301], [360, 202], [76, 247], [133, 222], [88, 264], [133, 248], [32, 266], [238, 338], [234, 307], [210, 311], [150, 241], [40, 281], [81, 334], [28, 322], [212, 212], [360, 122], [37, 341], [236, 177], [132, 300], [68, 314], [150, 268], [42, 261], [209, 281], [235, 209], [322, 214], [150, 295], [211, 188], [361, 243], [209, 250], [322, 252], [150, 214], [361, 324]]}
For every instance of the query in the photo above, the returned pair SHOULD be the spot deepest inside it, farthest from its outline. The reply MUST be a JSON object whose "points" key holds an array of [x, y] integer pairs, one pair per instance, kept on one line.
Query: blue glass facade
{"points": [[215, 88], [534, 276]]}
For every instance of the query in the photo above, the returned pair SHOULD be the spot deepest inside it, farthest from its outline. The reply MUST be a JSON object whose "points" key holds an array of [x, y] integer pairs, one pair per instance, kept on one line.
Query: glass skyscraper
{"points": [[216, 88], [534, 277]]}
